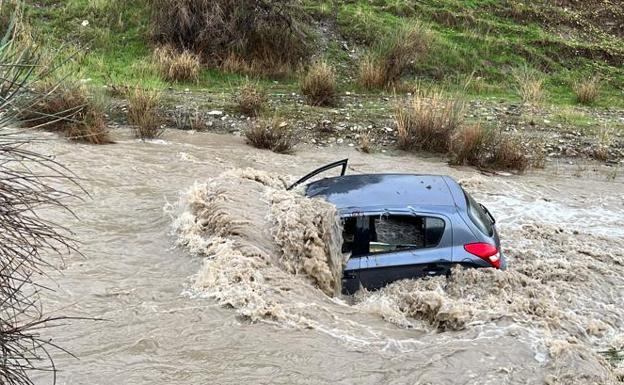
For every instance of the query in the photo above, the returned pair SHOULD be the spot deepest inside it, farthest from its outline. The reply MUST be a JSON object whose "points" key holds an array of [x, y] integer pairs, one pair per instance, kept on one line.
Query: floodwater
{"points": [[203, 277]]}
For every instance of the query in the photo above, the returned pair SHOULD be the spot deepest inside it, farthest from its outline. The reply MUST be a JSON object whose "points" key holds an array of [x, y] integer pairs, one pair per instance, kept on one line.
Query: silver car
{"points": [[399, 226]]}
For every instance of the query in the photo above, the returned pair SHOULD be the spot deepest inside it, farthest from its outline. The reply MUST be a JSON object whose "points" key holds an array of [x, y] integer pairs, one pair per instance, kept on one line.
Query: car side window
{"points": [[378, 234], [478, 216]]}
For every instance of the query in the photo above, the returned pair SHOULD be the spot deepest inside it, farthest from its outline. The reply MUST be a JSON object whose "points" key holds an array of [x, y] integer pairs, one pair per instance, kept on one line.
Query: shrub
{"points": [[264, 32], [318, 85], [604, 142], [272, 135], [177, 66], [480, 147], [66, 108], [428, 122], [250, 99], [366, 143], [508, 153], [143, 113], [587, 90], [529, 85], [188, 118], [469, 145], [371, 73], [394, 56]]}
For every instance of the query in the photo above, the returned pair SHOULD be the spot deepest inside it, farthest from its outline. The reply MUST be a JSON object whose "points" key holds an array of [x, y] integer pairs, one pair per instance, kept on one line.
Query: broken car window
{"points": [[390, 233]]}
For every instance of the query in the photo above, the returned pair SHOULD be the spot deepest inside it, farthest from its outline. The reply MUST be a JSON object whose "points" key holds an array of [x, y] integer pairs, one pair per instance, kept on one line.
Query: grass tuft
{"points": [[477, 146], [250, 99], [318, 85], [265, 33], [69, 109], [177, 66], [394, 56], [529, 85], [587, 90], [272, 134], [428, 122], [143, 113]]}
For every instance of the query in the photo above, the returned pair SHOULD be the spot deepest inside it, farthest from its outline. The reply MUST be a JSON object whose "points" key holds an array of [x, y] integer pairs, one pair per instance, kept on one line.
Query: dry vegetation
{"points": [[250, 99], [263, 35], [271, 134], [529, 85], [428, 121], [318, 85], [433, 123], [477, 146], [177, 66], [587, 90], [366, 143], [143, 113], [371, 74], [28, 183], [394, 56], [66, 108]]}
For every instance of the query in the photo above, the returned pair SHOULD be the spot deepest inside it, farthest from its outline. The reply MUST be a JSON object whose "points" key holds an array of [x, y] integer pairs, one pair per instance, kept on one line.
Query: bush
{"points": [[428, 122], [66, 108], [318, 85], [587, 90], [469, 145], [394, 56], [508, 153], [177, 66], [250, 99], [529, 85], [476, 146], [143, 113], [371, 74], [272, 135], [262, 32]]}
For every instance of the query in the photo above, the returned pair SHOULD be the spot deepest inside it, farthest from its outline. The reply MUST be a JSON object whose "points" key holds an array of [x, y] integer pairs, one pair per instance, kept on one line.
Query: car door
{"points": [[390, 259]]}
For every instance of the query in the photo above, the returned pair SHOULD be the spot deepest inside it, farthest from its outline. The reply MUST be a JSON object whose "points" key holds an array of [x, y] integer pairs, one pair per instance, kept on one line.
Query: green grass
{"points": [[476, 39]]}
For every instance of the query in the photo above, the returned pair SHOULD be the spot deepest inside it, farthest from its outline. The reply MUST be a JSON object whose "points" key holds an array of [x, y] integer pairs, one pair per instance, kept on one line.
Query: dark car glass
{"points": [[478, 216]]}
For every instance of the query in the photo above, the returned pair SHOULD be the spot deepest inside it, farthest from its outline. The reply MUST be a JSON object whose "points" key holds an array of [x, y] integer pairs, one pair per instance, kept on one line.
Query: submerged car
{"points": [[399, 226]]}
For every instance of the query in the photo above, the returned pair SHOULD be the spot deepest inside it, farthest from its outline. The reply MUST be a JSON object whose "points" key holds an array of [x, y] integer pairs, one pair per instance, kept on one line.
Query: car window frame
{"points": [[484, 222], [444, 219]]}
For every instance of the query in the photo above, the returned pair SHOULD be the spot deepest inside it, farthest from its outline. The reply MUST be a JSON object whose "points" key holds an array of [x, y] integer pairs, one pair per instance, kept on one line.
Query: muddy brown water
{"points": [[174, 317]]}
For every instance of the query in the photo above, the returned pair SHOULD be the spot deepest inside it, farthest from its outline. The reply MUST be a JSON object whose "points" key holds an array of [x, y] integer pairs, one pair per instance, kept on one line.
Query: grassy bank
{"points": [[475, 45]]}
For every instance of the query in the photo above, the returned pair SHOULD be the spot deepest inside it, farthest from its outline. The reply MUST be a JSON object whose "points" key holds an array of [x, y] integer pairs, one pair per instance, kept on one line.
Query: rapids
{"points": [[207, 271]]}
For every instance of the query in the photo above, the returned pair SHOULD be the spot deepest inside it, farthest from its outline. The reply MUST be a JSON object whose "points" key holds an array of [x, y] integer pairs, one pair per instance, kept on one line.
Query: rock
{"points": [[215, 113]]}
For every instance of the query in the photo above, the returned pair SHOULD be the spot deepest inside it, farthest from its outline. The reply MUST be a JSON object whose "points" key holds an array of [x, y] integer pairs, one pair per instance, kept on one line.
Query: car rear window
{"points": [[478, 216], [390, 233]]}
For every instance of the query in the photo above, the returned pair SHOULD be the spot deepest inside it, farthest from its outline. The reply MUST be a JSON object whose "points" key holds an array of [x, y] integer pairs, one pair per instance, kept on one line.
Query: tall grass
{"points": [[67, 108], [529, 84], [428, 121], [28, 183], [250, 99], [143, 113], [318, 85], [271, 134], [177, 66], [587, 90], [261, 33], [394, 56]]}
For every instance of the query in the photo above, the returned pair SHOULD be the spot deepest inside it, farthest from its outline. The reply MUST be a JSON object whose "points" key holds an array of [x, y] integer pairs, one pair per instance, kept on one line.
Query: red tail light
{"points": [[485, 251]]}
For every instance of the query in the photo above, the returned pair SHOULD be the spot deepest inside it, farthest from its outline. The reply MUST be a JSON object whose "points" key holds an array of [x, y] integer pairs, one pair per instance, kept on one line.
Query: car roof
{"points": [[384, 190]]}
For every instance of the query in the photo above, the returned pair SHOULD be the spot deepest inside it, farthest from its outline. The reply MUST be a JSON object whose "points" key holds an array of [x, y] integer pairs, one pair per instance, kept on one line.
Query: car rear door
{"points": [[386, 262]]}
